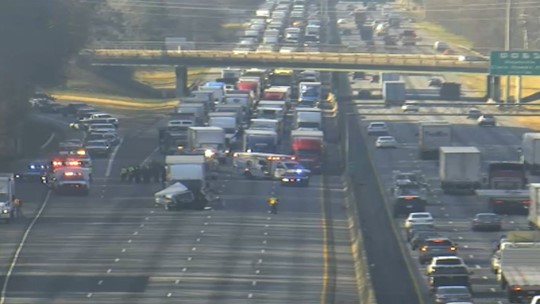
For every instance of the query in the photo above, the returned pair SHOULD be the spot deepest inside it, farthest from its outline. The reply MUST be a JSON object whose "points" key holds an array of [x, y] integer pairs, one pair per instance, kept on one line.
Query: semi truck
{"points": [[191, 171], [459, 169], [506, 191], [394, 93], [534, 206], [308, 120], [263, 141], [519, 272], [7, 191], [531, 152], [307, 146], [431, 136]]}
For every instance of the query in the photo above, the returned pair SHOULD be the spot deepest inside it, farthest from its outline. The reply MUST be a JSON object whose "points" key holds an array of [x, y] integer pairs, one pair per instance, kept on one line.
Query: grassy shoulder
{"points": [[85, 86]]}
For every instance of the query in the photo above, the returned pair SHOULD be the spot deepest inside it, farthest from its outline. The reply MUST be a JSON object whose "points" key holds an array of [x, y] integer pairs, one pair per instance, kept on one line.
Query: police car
{"points": [[34, 172], [295, 174]]}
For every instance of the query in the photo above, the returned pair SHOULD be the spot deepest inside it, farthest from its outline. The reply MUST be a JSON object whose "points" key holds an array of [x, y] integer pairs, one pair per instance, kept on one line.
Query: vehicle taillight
{"points": [[516, 288], [499, 202], [424, 248], [526, 202], [453, 248]]}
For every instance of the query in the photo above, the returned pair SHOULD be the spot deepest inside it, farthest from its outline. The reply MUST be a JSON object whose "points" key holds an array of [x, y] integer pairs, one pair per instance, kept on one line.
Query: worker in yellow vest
{"points": [[273, 203]]}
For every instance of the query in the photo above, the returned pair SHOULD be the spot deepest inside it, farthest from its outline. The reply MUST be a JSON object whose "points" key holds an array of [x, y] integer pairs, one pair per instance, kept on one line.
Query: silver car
{"points": [[449, 294], [386, 142], [377, 128]]}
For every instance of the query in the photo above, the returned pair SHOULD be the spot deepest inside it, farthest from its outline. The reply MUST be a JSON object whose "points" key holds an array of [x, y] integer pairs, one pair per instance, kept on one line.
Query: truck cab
{"points": [[263, 141]]}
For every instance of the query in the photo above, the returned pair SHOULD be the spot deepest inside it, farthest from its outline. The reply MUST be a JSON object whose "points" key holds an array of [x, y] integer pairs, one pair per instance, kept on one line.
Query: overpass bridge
{"points": [[324, 61]]}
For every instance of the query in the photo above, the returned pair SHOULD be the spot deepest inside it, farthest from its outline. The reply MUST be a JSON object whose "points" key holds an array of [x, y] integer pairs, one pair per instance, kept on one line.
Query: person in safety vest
{"points": [[273, 203]]}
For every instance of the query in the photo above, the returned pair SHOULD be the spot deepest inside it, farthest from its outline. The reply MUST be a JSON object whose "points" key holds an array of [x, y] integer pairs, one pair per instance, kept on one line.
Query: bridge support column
{"points": [[181, 81], [493, 87]]}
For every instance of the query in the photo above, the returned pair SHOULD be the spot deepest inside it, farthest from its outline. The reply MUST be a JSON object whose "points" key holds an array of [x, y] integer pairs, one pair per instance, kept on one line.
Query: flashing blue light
{"points": [[32, 167], [298, 171]]}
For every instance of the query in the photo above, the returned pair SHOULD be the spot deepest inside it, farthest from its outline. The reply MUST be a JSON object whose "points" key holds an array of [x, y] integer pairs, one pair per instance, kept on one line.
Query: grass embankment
{"points": [[85, 86], [529, 84]]}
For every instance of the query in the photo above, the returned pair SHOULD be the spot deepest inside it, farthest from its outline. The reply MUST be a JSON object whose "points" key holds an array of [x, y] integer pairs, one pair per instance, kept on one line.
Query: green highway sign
{"points": [[514, 63]]}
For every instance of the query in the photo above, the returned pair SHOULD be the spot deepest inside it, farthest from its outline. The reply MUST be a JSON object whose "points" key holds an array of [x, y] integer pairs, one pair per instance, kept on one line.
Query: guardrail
{"points": [[297, 57]]}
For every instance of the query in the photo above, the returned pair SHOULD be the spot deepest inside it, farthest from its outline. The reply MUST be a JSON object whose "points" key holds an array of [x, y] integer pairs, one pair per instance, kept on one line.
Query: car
{"points": [[457, 275], [386, 142], [73, 143], [487, 120], [35, 171], [377, 128], [495, 262], [418, 217], [474, 113], [469, 58], [444, 261], [417, 228], [295, 174], [435, 82], [72, 108], [419, 237], [434, 247], [449, 294], [487, 221], [98, 148], [410, 106]]}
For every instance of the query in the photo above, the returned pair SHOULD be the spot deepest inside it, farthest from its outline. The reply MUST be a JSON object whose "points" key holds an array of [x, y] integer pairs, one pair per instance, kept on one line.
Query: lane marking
{"points": [[250, 295], [48, 142], [198, 239], [263, 251], [146, 218], [259, 261], [253, 283], [471, 256], [478, 267], [257, 271], [169, 295], [202, 231], [484, 277], [136, 232], [141, 226], [20, 247], [123, 249], [116, 260], [109, 270], [129, 241], [100, 282], [112, 157], [89, 295], [177, 282], [189, 258], [264, 242], [184, 269]]}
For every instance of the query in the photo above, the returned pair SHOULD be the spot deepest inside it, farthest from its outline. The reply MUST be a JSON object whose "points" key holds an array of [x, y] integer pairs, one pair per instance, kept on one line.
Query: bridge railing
{"points": [[329, 57]]}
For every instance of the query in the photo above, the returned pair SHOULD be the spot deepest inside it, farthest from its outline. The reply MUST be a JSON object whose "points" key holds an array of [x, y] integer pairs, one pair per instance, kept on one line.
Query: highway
{"points": [[115, 246], [453, 214]]}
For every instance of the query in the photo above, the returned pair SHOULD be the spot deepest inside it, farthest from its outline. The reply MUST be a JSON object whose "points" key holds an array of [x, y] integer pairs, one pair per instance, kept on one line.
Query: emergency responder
{"points": [[123, 174], [163, 174], [131, 173], [145, 172], [155, 170], [137, 174], [273, 203], [17, 205]]}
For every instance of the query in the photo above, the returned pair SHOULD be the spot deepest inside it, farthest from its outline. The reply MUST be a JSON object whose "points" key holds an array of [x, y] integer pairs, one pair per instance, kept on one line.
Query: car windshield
{"points": [[386, 138], [487, 216], [420, 216], [378, 125], [448, 262]]}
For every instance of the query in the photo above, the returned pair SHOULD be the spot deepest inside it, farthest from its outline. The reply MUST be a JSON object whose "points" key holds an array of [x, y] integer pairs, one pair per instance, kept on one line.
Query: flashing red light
{"points": [[516, 288], [57, 163], [408, 198]]}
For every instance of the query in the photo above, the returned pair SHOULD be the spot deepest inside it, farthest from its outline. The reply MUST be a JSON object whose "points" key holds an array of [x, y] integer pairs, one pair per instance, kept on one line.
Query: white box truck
{"points": [[460, 169], [531, 152], [191, 171], [394, 93], [207, 140], [534, 206], [228, 121], [7, 191], [431, 136]]}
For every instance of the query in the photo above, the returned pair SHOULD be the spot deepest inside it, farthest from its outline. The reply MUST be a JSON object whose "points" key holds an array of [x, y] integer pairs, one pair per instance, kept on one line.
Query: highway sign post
{"points": [[514, 63]]}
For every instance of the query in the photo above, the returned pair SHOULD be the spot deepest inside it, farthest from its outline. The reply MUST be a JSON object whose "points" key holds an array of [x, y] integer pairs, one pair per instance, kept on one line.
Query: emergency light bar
{"points": [[70, 173]]}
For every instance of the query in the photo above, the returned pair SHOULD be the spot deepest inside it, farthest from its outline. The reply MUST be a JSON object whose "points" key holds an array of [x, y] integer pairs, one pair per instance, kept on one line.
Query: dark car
{"points": [[435, 82], [416, 228], [448, 294], [35, 171], [436, 247], [72, 108], [449, 276], [487, 221], [419, 237]]}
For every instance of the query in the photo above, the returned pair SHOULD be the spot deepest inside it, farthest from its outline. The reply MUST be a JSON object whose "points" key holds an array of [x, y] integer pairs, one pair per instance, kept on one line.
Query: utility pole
{"points": [[523, 24], [507, 46]]}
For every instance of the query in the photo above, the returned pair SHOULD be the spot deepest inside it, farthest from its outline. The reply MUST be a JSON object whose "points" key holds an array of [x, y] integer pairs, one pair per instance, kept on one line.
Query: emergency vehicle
{"points": [[267, 165], [79, 161], [67, 180]]}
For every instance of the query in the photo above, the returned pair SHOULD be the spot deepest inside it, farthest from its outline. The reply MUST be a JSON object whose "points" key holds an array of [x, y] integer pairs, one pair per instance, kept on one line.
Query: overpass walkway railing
{"points": [[298, 57]]}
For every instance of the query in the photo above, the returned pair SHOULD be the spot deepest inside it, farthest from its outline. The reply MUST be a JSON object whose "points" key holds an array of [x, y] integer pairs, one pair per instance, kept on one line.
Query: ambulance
{"points": [[267, 165]]}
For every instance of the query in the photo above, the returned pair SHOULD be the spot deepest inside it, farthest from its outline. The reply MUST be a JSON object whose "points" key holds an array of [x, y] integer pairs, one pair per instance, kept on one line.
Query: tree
{"points": [[38, 39]]}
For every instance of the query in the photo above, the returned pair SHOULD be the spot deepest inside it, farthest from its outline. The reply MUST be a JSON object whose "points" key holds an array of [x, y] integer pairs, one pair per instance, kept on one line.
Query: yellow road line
{"points": [[324, 227]]}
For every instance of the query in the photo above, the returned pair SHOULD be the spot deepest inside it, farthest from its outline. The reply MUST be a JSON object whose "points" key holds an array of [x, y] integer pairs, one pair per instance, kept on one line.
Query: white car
{"points": [[444, 261], [377, 128], [487, 120], [386, 142], [418, 218], [410, 106]]}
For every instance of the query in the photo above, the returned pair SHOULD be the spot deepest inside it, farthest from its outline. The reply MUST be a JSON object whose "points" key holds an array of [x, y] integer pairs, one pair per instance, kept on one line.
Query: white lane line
{"points": [[20, 247], [484, 277], [129, 241], [259, 261], [152, 211], [198, 239], [257, 271], [100, 282], [48, 142], [177, 282], [202, 231], [208, 216], [264, 242], [124, 249], [268, 218], [189, 258], [136, 232], [169, 295], [206, 223], [465, 246], [266, 226], [460, 237], [111, 159], [116, 260], [493, 290], [149, 156], [141, 226], [109, 270], [253, 283], [266, 233], [250, 295], [146, 218], [89, 295], [471, 256], [263, 251], [194, 249], [184, 269], [478, 267]]}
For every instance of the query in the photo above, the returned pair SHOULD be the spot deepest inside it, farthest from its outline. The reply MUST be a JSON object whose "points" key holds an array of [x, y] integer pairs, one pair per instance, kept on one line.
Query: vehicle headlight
{"points": [[285, 179], [5, 211]]}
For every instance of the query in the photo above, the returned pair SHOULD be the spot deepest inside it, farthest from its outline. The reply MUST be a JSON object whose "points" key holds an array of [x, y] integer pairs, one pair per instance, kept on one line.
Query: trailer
{"points": [[519, 273]]}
